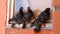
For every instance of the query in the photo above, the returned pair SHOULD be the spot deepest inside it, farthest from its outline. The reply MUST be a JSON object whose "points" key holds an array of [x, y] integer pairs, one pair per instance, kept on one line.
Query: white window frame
{"points": [[10, 10]]}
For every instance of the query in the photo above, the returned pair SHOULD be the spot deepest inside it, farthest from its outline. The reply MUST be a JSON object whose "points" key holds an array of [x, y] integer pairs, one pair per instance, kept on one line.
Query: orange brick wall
{"points": [[56, 2], [2, 16], [56, 23], [56, 18], [26, 31], [12, 31]]}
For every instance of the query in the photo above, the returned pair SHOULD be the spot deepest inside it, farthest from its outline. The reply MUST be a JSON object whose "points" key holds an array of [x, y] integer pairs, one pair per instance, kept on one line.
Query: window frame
{"points": [[10, 10]]}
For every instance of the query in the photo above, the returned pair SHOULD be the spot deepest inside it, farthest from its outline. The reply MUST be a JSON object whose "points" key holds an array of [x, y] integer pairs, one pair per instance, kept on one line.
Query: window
{"points": [[13, 6]]}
